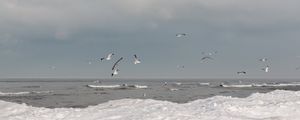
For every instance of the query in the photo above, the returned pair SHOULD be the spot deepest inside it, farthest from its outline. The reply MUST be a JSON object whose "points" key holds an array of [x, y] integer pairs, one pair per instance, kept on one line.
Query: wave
{"points": [[104, 86], [276, 105], [204, 83], [124, 86], [13, 93], [23, 93], [261, 85]]}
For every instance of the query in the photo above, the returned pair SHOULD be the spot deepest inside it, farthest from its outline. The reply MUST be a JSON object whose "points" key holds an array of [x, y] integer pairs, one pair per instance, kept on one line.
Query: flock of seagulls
{"points": [[265, 69], [115, 68], [207, 56]]}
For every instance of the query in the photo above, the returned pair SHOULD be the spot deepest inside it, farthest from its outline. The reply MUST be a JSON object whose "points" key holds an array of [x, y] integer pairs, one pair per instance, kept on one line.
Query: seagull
{"points": [[209, 53], [206, 58], [116, 71], [101, 59], [136, 60], [241, 72], [266, 69], [180, 66], [263, 59], [109, 56], [116, 63], [180, 34]]}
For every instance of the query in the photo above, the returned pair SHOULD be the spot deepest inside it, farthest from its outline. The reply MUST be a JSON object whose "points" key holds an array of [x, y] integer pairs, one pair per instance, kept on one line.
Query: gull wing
{"points": [[116, 63]]}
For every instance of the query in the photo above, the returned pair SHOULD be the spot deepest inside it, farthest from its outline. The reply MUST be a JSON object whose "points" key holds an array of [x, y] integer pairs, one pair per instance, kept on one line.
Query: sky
{"points": [[58, 38]]}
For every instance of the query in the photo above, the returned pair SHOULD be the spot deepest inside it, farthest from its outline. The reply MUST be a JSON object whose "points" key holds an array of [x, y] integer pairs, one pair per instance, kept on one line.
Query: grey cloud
{"points": [[70, 29]]}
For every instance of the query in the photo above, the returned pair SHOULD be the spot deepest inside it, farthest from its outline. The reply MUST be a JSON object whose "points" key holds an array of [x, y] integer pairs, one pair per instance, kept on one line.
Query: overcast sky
{"points": [[58, 38]]}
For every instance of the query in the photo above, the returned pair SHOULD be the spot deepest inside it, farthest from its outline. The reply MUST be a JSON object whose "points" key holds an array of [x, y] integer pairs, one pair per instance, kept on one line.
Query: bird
{"points": [[109, 56], [136, 60], [209, 53], [116, 63], [180, 34], [241, 72], [266, 69], [206, 58], [116, 71], [180, 66], [101, 59], [263, 59]]}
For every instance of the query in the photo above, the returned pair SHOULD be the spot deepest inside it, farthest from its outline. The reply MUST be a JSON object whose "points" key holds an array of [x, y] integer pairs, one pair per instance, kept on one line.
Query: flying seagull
{"points": [[180, 66], [136, 60], [101, 59], [263, 59], [206, 58], [266, 69], [209, 53], [180, 34], [116, 71], [241, 72], [116, 63], [109, 56]]}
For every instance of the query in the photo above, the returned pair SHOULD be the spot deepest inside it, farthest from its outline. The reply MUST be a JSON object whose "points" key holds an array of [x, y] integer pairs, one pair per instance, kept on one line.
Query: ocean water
{"points": [[75, 93]]}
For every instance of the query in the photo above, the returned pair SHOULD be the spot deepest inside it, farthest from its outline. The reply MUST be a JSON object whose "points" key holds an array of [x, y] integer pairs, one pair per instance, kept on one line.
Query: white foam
{"points": [[23, 93], [140, 86], [104, 86], [14, 93], [204, 84], [237, 86], [262, 85], [118, 86], [276, 105]]}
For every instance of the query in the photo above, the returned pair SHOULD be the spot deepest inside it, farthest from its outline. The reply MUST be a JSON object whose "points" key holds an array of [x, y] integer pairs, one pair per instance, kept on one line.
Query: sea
{"points": [[81, 93]]}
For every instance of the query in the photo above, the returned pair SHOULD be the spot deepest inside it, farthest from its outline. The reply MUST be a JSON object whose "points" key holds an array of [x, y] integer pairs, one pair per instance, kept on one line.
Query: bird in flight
{"points": [[136, 60], [109, 56], [263, 59], [206, 58], [116, 63], [181, 34], [116, 71], [102, 59], [241, 72], [266, 69]]}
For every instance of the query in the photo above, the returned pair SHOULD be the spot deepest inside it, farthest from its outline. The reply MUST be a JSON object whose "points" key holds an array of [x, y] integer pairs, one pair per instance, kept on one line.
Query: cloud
{"points": [[54, 29]]}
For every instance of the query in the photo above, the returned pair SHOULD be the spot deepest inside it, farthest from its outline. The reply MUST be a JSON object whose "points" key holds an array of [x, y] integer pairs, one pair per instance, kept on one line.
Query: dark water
{"points": [[53, 93]]}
